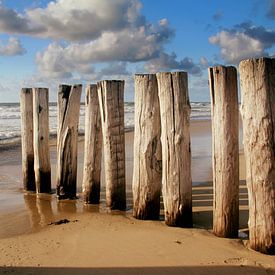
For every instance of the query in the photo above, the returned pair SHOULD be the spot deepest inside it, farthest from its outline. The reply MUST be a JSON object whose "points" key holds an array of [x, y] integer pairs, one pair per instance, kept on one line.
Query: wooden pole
{"points": [[26, 105], [225, 150], [67, 137], [93, 147], [42, 165], [176, 152], [147, 149], [111, 102], [258, 112]]}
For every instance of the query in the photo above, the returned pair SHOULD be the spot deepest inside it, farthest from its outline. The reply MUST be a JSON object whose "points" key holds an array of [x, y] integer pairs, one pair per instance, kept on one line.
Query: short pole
{"points": [[67, 138], [42, 165], [26, 105]]}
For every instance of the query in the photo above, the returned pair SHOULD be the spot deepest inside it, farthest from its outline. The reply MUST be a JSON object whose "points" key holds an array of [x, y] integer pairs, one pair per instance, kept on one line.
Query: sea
{"points": [[10, 119]]}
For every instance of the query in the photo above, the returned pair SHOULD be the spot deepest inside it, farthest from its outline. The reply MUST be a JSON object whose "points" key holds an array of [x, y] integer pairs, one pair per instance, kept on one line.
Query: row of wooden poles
{"points": [[162, 154]]}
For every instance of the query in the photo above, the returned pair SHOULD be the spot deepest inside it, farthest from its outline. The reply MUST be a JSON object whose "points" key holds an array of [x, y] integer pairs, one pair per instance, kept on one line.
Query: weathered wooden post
{"points": [[42, 166], [258, 112], [111, 102], [67, 137], [147, 149], [225, 150], [176, 152], [26, 105], [93, 147]]}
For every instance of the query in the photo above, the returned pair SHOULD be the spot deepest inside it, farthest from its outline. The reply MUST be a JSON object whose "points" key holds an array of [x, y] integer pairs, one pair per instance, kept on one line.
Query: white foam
{"points": [[10, 118]]}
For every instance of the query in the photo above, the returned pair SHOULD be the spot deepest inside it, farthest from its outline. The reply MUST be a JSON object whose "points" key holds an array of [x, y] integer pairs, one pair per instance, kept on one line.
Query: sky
{"points": [[46, 43]]}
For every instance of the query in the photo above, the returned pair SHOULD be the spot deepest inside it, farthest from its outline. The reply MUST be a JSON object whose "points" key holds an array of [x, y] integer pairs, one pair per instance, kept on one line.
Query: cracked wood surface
{"points": [[93, 147], [26, 106], [176, 152], [258, 112], [147, 149], [225, 150], [42, 166], [67, 136], [111, 102]]}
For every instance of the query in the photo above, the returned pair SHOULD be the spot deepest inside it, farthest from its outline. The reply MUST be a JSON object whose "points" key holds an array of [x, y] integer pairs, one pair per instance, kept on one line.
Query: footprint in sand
{"points": [[236, 261], [245, 262]]}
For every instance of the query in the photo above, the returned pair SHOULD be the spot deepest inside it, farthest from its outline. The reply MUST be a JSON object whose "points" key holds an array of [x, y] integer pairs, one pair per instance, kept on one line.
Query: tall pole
{"points": [[225, 150]]}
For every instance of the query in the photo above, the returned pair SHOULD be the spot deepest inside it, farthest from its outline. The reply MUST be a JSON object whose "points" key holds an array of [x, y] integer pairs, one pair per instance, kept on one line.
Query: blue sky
{"points": [[45, 43]]}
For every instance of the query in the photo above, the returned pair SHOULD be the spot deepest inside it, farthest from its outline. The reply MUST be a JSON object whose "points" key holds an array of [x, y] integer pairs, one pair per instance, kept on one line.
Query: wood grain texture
{"points": [[42, 166], [225, 150], [67, 136], [111, 102], [176, 152], [147, 149], [26, 106], [93, 147], [258, 112]]}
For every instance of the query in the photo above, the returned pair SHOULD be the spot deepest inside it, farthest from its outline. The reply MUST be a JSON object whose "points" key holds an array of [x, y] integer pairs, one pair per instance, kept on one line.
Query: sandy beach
{"points": [[95, 241]]}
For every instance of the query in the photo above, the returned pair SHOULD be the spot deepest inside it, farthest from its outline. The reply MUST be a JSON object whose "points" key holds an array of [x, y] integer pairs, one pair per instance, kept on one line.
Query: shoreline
{"points": [[39, 234], [18, 203], [7, 144], [40, 210]]}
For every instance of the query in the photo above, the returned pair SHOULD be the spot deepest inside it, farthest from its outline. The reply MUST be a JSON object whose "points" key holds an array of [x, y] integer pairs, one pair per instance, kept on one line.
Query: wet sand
{"points": [[97, 241], [30, 213]]}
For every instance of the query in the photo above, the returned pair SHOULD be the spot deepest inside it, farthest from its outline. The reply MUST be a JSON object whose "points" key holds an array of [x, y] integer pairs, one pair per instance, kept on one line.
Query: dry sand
{"points": [[98, 242], [119, 242]]}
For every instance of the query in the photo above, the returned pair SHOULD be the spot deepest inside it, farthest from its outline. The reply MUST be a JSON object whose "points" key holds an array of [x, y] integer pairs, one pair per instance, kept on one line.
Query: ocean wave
{"points": [[9, 135], [5, 108], [10, 118]]}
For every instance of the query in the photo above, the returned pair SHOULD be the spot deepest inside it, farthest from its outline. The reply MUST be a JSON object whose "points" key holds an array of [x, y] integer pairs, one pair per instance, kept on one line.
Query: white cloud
{"points": [[236, 46], [12, 48], [244, 40], [73, 20], [85, 33], [169, 62], [4, 89], [204, 62], [115, 68], [128, 45]]}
